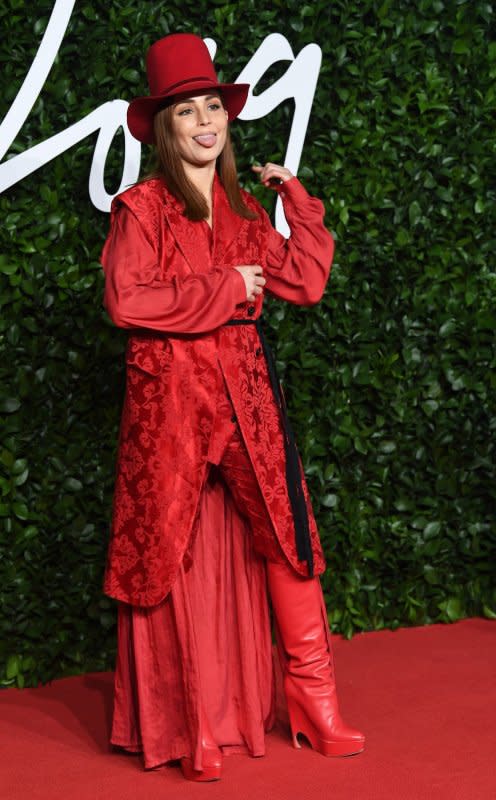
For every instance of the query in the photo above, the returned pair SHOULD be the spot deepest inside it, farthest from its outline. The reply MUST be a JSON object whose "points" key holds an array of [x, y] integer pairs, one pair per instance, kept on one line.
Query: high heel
{"points": [[305, 653], [353, 742], [211, 758]]}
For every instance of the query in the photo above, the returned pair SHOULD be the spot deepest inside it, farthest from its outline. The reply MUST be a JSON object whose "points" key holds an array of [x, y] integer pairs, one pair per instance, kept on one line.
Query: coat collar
{"points": [[226, 227]]}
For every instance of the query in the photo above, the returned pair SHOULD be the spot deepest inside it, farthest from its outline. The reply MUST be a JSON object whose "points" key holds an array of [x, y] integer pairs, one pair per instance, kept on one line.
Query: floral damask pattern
{"points": [[176, 379], [259, 420]]}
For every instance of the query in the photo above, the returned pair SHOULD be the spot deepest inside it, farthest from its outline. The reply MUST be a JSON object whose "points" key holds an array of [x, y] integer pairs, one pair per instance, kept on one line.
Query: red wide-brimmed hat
{"points": [[177, 64]]}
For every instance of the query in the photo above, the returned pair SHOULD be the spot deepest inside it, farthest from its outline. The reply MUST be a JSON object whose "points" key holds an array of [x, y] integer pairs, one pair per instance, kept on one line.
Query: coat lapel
{"points": [[184, 232], [190, 238]]}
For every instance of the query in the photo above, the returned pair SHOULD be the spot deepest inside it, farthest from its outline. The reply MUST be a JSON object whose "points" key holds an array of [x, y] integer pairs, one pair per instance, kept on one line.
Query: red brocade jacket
{"points": [[172, 283]]}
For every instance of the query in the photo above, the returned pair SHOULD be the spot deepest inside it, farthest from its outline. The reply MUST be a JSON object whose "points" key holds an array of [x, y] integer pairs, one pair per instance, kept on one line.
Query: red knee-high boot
{"points": [[304, 647]]}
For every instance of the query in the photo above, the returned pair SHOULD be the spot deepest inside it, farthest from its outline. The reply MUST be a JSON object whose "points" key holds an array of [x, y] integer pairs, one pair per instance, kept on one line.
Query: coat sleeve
{"points": [[135, 296], [298, 268]]}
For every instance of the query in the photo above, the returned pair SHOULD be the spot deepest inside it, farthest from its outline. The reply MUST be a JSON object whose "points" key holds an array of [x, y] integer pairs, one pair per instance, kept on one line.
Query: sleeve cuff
{"points": [[239, 287], [293, 191]]}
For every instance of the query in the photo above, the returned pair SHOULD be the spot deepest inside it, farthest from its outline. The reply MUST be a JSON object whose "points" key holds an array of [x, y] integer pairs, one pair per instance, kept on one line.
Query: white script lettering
{"points": [[298, 82]]}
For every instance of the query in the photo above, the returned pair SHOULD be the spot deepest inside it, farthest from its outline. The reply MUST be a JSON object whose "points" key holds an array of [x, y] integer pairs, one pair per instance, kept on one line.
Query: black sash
{"points": [[293, 472]]}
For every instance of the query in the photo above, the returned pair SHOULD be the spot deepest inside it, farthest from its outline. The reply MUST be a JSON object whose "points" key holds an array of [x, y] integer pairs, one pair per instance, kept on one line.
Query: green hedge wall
{"points": [[390, 379]]}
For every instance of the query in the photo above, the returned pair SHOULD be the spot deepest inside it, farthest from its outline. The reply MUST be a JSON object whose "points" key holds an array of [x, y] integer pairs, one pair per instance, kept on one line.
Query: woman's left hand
{"points": [[272, 175]]}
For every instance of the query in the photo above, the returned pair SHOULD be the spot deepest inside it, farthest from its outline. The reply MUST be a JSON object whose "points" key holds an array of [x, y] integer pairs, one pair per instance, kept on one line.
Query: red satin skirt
{"points": [[207, 646]]}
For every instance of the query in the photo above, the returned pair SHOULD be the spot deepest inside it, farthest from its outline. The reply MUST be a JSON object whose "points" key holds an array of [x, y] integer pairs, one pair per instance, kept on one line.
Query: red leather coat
{"points": [[172, 284]]}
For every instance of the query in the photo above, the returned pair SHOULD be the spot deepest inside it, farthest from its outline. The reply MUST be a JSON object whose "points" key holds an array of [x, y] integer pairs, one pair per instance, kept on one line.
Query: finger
{"points": [[262, 170], [279, 173], [271, 179], [275, 171]]}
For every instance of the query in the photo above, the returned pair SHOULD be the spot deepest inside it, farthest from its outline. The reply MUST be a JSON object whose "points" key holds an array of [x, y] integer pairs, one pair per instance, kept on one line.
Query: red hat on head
{"points": [[177, 64]]}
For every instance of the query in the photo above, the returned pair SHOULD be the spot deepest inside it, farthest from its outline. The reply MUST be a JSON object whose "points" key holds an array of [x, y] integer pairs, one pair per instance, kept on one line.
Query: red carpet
{"points": [[425, 697]]}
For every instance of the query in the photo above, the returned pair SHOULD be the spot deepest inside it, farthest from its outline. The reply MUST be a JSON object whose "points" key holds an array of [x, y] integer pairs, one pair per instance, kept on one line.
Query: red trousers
{"points": [[207, 647]]}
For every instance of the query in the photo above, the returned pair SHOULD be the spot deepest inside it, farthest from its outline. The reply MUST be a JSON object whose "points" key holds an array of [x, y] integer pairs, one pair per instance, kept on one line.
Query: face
{"points": [[200, 126]]}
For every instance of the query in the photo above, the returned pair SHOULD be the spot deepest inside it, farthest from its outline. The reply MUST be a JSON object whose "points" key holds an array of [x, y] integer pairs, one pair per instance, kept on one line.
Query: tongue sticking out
{"points": [[206, 139]]}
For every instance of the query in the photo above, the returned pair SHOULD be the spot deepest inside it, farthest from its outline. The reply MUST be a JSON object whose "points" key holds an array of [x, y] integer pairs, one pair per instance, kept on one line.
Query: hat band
{"points": [[173, 86]]}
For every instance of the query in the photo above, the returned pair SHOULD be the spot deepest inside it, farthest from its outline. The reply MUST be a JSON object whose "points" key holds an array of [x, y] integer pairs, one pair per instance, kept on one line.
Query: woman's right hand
{"points": [[254, 280]]}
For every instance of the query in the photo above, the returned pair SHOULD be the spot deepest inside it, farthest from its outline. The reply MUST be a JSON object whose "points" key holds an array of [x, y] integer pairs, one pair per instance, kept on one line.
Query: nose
{"points": [[202, 116]]}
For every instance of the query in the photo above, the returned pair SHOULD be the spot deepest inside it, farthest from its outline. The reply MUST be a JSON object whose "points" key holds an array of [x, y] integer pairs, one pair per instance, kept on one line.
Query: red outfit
{"points": [[208, 644], [190, 540], [165, 283]]}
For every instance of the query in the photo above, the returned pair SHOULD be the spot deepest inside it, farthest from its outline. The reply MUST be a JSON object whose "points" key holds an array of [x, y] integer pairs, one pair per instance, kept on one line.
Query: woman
{"points": [[211, 508]]}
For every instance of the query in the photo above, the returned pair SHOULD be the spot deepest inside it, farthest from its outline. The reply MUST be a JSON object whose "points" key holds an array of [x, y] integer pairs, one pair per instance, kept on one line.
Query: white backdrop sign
{"points": [[298, 82]]}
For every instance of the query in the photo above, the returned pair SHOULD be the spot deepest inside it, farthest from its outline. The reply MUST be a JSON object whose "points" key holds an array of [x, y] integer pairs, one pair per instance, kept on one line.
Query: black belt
{"points": [[293, 471]]}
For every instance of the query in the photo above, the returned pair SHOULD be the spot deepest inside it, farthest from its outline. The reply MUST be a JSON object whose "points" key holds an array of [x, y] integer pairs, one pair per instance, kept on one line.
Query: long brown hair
{"points": [[170, 168]]}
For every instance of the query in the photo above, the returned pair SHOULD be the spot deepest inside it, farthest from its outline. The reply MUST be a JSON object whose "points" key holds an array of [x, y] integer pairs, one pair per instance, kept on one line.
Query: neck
{"points": [[202, 178]]}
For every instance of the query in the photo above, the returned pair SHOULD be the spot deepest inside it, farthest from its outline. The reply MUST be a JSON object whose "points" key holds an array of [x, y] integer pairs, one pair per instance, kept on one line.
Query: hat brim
{"points": [[141, 110]]}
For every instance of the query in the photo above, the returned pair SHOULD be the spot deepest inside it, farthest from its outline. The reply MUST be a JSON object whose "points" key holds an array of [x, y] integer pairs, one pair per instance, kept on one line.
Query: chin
{"points": [[204, 158]]}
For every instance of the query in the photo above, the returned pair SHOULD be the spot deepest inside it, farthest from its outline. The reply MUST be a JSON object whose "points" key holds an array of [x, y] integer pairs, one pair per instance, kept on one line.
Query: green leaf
{"points": [[8, 269], [73, 484], [432, 529], [330, 500], [452, 608], [8, 405], [414, 212], [20, 510], [12, 667]]}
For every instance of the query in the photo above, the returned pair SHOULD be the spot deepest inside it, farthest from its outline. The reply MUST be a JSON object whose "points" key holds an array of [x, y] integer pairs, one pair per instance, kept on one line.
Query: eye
{"points": [[214, 106], [183, 112]]}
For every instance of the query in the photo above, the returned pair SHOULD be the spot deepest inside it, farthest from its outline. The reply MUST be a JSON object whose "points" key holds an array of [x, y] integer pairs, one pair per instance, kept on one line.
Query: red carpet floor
{"points": [[425, 697]]}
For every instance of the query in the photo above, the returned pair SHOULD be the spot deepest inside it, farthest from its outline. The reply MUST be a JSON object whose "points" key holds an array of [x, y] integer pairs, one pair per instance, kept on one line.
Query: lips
{"points": [[206, 139]]}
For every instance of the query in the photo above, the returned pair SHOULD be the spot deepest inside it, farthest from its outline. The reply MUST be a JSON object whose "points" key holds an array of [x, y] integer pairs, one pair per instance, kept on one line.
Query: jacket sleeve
{"points": [[135, 296], [298, 268]]}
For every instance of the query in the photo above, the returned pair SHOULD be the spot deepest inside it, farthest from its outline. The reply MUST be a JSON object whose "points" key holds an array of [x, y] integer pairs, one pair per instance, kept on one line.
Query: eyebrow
{"points": [[192, 99]]}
